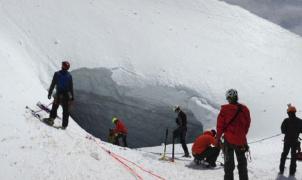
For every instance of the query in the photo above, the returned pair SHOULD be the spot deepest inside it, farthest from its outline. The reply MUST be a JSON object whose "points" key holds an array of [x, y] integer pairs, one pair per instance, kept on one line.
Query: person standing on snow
{"points": [[291, 128], [233, 122], [62, 80], [203, 149], [120, 131], [181, 131]]}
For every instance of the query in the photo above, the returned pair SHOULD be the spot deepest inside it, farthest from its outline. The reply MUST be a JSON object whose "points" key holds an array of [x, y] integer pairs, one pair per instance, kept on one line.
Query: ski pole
{"points": [[173, 148], [166, 141]]}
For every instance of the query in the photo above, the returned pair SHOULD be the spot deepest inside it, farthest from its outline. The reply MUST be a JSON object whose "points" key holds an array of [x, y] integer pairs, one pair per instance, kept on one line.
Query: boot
{"points": [[187, 155], [49, 121]]}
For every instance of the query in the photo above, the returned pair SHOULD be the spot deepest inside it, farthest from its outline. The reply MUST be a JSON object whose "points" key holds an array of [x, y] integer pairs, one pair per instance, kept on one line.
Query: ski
{"points": [[39, 117], [34, 113], [45, 108]]}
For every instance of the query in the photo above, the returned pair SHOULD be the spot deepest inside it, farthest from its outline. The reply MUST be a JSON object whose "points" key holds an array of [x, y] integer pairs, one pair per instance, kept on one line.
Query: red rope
{"points": [[120, 157], [132, 171], [141, 168]]}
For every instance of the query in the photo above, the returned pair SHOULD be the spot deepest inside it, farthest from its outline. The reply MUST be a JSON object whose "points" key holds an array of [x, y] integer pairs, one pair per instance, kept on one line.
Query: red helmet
{"points": [[65, 65], [291, 108]]}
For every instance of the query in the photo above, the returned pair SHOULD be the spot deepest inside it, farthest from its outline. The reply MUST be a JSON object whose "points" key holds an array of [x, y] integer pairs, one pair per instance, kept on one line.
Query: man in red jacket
{"points": [[120, 131], [233, 122], [203, 149]]}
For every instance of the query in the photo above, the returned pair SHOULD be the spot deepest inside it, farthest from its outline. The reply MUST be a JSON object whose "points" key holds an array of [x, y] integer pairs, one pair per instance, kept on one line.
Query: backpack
{"points": [[63, 83]]}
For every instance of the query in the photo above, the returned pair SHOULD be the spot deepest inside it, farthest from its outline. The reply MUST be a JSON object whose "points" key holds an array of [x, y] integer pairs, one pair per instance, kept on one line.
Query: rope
{"points": [[132, 171], [260, 140], [157, 153], [141, 168], [119, 158]]}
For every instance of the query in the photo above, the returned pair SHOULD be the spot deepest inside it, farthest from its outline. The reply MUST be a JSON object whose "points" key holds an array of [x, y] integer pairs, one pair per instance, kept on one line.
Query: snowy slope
{"points": [[206, 46]]}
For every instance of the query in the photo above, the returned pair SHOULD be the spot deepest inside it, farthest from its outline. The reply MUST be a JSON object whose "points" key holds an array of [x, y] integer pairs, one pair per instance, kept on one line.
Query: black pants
{"points": [[62, 99], [124, 138], [293, 162], [209, 155], [180, 133], [229, 164]]}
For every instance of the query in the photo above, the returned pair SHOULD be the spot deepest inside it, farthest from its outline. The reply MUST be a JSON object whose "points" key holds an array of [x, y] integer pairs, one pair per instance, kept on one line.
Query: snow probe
{"points": [[173, 144], [165, 148]]}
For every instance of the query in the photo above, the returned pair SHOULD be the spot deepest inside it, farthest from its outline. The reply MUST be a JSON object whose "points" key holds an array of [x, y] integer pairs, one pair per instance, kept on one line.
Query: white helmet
{"points": [[176, 108], [231, 93]]}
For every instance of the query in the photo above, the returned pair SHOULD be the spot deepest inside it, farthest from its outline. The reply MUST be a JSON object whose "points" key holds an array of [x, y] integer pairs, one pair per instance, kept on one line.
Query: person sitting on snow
{"points": [[204, 149], [120, 131], [291, 128]]}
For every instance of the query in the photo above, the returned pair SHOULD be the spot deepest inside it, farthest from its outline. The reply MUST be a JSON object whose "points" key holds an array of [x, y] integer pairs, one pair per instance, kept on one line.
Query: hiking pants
{"points": [[180, 133], [64, 101], [229, 164], [210, 155], [293, 162], [124, 138]]}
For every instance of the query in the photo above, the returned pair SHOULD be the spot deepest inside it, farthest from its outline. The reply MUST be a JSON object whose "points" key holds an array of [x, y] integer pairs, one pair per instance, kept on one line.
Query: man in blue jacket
{"points": [[62, 80]]}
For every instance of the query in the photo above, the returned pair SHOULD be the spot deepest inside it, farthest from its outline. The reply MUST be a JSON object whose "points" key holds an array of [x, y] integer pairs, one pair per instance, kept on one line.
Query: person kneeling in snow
{"points": [[120, 131], [203, 151]]}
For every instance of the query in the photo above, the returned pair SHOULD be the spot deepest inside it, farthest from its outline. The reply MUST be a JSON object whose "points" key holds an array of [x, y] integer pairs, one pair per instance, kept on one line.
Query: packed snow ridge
{"points": [[203, 46]]}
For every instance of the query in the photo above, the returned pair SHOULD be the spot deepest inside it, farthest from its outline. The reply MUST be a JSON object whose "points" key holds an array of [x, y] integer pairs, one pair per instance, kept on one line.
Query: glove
{"points": [[49, 96]]}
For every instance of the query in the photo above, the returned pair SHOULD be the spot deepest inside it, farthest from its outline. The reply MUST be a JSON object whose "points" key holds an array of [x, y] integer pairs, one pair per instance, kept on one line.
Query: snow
{"points": [[208, 46]]}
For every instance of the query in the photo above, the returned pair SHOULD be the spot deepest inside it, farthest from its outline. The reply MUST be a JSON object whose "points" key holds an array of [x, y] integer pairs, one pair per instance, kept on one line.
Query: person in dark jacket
{"points": [[181, 131], [233, 122], [291, 128], [62, 81], [120, 131], [204, 149]]}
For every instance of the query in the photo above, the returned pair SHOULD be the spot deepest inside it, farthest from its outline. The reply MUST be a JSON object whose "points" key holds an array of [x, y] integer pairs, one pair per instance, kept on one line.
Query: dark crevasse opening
{"points": [[99, 98]]}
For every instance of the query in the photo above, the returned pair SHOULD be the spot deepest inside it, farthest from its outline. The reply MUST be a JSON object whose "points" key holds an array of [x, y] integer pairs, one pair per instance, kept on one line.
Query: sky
{"points": [[286, 13]]}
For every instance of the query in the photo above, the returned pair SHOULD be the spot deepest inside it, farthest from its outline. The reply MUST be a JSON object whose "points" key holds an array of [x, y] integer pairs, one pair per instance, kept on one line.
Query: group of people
{"points": [[233, 123]]}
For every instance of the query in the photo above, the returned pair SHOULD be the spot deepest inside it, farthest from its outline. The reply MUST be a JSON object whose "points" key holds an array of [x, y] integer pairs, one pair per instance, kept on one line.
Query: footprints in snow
{"points": [[95, 156]]}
